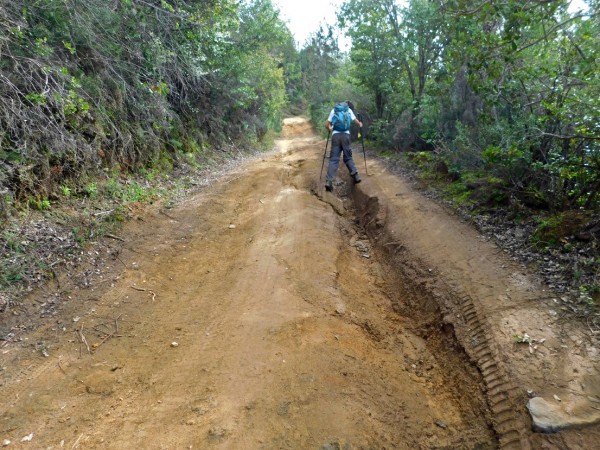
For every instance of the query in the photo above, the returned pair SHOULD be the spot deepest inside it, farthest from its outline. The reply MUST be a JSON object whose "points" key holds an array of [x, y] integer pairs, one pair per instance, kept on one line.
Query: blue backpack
{"points": [[341, 117]]}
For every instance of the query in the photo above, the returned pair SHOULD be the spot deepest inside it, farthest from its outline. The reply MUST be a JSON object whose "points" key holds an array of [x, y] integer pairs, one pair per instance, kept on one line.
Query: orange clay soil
{"points": [[265, 313]]}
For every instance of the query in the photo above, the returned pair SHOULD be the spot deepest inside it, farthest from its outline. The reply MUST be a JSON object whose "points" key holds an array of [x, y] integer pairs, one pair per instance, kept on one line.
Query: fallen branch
{"points": [[169, 216], [594, 332], [104, 213], [77, 441], [60, 367], [83, 340], [137, 288], [112, 236], [144, 290], [113, 334]]}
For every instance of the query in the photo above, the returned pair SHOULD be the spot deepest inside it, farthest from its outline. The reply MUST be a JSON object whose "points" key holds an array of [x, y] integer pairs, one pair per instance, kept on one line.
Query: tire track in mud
{"points": [[505, 400], [510, 420], [454, 357]]}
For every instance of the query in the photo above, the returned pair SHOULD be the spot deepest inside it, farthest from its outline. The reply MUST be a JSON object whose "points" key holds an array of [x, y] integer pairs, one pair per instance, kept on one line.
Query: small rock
{"points": [[27, 438], [284, 408], [552, 417], [231, 226], [174, 344], [340, 309], [441, 424], [5, 443], [217, 434]]}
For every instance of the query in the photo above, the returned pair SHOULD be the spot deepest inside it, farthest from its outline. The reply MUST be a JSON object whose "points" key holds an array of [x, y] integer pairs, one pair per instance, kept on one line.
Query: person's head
{"points": [[350, 104]]}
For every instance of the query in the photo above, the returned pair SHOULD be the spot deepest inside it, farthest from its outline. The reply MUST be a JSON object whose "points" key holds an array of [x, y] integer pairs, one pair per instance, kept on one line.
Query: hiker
{"points": [[338, 124]]}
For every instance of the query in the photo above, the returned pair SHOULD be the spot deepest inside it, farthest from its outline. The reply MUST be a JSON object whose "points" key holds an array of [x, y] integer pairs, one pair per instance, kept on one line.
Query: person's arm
{"points": [[355, 119], [328, 124]]}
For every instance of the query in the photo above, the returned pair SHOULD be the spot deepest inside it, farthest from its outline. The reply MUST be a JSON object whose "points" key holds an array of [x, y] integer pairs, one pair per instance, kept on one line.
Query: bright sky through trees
{"points": [[304, 17]]}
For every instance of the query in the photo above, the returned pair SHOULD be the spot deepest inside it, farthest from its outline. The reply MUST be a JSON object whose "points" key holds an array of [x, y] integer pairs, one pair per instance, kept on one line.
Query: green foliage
{"points": [[40, 204], [131, 191], [552, 229], [12, 241], [522, 339], [421, 159], [65, 190], [510, 88], [10, 275], [575, 180], [12, 270], [380, 131], [91, 190], [102, 84], [458, 194], [320, 63], [586, 293], [80, 236], [36, 98], [492, 155]]}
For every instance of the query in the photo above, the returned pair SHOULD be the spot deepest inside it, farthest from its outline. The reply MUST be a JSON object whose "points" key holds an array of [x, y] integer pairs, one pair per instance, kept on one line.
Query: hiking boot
{"points": [[328, 186], [356, 178]]}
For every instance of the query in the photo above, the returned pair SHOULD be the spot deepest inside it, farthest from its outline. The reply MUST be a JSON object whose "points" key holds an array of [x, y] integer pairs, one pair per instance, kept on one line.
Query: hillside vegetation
{"points": [[131, 84], [506, 88]]}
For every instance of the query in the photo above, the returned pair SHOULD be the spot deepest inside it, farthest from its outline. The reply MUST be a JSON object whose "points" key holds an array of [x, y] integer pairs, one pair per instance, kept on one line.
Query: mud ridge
{"points": [[445, 307]]}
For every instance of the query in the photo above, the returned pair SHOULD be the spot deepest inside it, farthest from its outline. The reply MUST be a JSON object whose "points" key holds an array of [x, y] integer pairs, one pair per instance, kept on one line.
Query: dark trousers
{"points": [[340, 143]]}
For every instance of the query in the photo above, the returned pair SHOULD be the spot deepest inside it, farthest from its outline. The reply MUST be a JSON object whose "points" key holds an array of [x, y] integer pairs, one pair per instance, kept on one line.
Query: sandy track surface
{"points": [[267, 314]]}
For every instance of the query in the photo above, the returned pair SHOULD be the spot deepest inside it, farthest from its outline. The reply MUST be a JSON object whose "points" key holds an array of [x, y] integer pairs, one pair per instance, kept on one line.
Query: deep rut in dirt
{"points": [[469, 288], [426, 295], [265, 313]]}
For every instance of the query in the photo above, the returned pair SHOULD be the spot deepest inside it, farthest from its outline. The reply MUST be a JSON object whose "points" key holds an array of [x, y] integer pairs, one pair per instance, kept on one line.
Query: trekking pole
{"points": [[362, 139], [324, 155]]}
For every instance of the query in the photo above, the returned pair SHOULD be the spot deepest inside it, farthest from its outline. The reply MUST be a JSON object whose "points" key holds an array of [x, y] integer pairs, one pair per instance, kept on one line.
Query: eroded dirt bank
{"points": [[259, 315], [536, 360]]}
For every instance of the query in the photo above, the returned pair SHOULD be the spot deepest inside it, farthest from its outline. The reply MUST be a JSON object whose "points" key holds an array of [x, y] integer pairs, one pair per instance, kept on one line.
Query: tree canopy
{"points": [[506, 86]]}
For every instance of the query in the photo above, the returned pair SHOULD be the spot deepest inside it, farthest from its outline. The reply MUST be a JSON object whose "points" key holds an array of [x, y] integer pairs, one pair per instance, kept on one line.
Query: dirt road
{"points": [[265, 313]]}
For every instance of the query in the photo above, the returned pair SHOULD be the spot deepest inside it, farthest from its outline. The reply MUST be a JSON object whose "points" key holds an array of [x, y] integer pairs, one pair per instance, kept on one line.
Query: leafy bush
{"points": [[91, 84]]}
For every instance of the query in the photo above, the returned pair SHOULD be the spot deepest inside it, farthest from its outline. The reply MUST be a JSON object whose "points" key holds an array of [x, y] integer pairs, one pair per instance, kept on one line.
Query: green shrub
{"points": [[41, 204]]}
